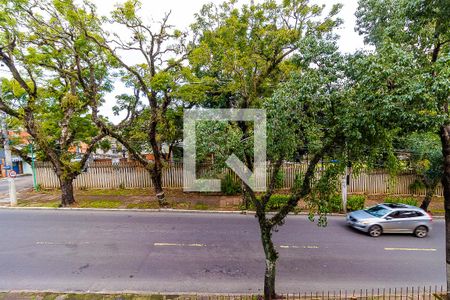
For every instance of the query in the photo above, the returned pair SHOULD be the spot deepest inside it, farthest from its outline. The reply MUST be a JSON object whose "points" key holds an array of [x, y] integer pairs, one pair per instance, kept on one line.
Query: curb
{"points": [[169, 210], [161, 210]]}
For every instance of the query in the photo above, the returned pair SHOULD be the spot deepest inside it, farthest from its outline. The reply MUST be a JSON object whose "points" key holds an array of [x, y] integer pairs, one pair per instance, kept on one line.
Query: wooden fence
{"points": [[132, 175]]}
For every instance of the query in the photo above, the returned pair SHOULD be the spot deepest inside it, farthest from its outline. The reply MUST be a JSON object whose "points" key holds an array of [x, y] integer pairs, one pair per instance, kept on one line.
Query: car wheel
{"points": [[375, 231], [421, 231]]}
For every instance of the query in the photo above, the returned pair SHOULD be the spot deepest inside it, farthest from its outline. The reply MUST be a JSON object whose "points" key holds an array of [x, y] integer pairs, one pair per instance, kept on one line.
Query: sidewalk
{"points": [[144, 199]]}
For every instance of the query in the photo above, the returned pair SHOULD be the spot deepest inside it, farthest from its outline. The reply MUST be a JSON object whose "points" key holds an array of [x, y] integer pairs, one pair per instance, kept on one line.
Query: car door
{"points": [[392, 221], [411, 219]]}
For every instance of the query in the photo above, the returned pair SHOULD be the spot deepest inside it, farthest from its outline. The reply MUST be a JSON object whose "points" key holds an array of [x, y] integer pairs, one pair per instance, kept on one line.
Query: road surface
{"points": [[22, 183], [67, 250]]}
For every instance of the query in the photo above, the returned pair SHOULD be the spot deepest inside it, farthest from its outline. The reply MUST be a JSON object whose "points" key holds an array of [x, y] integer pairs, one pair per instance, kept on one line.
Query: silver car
{"points": [[392, 218]]}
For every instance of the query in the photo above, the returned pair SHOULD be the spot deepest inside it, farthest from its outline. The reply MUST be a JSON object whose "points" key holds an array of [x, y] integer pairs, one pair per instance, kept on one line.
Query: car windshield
{"points": [[377, 211]]}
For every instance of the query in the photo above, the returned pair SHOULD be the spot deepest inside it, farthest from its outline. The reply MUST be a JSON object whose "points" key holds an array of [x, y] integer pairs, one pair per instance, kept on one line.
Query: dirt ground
{"points": [[146, 199]]}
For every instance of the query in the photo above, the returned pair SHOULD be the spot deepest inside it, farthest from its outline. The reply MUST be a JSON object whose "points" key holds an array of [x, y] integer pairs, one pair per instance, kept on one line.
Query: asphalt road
{"points": [[22, 183], [198, 252]]}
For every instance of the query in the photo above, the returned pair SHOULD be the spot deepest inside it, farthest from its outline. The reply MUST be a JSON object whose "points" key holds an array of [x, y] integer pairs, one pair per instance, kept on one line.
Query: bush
{"points": [[416, 186], [230, 186], [355, 202], [279, 179], [403, 200], [277, 201], [334, 204]]}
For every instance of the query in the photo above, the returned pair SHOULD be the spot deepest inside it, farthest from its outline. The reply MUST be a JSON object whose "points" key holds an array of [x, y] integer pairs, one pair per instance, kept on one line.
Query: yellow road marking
{"points": [[410, 249], [179, 245], [298, 247], [68, 243]]}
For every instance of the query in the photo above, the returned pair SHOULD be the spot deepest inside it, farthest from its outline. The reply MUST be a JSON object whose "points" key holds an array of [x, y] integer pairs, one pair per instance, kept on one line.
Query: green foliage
{"points": [[218, 140], [298, 182], [105, 145], [230, 186], [403, 200], [107, 203], [279, 179], [201, 206], [416, 186], [334, 204], [426, 158], [355, 202], [277, 201]]}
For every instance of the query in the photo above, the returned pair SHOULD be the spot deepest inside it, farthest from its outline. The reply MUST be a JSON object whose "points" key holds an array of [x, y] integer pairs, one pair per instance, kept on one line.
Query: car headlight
{"points": [[365, 222]]}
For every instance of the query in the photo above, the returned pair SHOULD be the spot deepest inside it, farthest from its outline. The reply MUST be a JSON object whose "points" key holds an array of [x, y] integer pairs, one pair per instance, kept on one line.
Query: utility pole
{"points": [[8, 163], [33, 168], [344, 190]]}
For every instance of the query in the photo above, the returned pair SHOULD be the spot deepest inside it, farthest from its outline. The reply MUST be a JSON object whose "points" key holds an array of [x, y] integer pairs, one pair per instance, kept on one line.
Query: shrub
{"points": [[355, 202], [230, 186], [416, 186], [298, 182], [279, 179], [334, 204], [277, 201], [403, 200]]}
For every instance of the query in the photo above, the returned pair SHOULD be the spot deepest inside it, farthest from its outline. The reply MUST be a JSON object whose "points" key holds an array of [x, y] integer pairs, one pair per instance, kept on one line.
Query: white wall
{"points": [[26, 168]]}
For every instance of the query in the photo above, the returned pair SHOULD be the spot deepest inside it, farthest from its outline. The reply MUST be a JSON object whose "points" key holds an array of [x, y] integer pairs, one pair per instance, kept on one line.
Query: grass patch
{"points": [[106, 203], [115, 192], [52, 204], [201, 206]]}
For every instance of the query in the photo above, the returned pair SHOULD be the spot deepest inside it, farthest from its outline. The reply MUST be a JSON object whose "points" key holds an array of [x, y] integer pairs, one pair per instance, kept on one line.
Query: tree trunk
{"points": [[156, 173], [271, 260], [67, 197], [445, 141], [428, 196]]}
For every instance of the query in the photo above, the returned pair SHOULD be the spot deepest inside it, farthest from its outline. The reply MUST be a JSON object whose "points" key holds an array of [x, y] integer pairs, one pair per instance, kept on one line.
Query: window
{"points": [[377, 211], [403, 214]]}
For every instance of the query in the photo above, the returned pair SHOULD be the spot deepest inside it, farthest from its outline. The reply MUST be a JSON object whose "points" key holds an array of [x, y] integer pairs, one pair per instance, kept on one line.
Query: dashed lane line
{"points": [[410, 249], [178, 245], [298, 247]]}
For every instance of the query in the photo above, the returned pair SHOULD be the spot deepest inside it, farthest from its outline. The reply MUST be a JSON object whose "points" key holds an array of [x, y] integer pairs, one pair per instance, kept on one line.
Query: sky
{"points": [[182, 15]]}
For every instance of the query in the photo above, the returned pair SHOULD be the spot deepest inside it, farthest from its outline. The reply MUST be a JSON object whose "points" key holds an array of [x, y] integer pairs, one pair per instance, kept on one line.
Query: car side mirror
{"points": [[388, 218]]}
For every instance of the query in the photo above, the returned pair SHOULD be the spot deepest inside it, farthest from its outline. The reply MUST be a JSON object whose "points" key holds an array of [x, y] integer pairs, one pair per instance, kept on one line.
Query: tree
{"points": [[105, 145], [418, 35], [156, 77], [243, 56], [48, 61], [426, 161]]}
